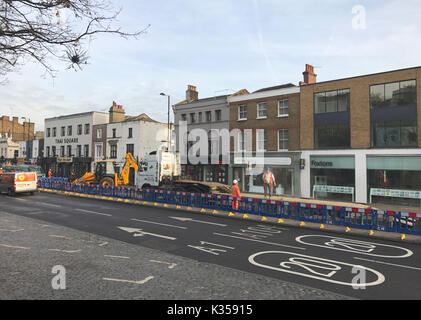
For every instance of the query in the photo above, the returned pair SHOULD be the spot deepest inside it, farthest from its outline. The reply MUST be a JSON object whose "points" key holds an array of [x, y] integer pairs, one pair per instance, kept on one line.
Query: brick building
{"points": [[265, 124], [18, 132], [360, 138]]}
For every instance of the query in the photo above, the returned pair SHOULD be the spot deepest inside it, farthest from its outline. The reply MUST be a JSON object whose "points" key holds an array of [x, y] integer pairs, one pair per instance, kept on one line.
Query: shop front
{"points": [[332, 177], [394, 180], [285, 168]]}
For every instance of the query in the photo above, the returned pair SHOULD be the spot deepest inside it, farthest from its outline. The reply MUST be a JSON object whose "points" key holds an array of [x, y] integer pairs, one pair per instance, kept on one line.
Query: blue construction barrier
{"points": [[390, 221]]}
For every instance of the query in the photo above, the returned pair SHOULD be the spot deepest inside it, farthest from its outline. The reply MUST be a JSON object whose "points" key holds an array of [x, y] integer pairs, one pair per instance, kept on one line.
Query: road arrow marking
{"points": [[141, 233], [199, 221], [129, 281], [161, 224]]}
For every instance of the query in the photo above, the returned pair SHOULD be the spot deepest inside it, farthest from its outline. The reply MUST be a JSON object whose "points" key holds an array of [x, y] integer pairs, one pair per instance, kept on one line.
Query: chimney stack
{"points": [[191, 94], [117, 113], [309, 76]]}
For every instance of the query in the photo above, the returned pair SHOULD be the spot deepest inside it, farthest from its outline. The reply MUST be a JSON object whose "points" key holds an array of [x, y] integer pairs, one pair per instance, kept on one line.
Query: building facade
{"points": [[19, 132], [360, 138], [206, 119], [68, 143], [264, 129], [9, 150]]}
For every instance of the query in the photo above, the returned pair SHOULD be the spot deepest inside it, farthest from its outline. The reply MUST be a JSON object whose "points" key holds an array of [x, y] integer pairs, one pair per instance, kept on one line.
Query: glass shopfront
{"points": [[333, 178], [394, 180], [254, 183]]}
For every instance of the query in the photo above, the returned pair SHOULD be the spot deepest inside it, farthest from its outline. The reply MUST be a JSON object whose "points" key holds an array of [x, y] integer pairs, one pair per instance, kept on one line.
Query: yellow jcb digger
{"points": [[106, 173]]}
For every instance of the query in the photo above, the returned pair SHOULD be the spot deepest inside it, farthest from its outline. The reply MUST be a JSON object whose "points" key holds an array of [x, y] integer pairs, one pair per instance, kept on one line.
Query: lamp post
{"points": [[169, 136]]}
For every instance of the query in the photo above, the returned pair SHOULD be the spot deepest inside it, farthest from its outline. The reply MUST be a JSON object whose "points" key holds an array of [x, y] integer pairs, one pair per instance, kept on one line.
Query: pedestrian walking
{"points": [[268, 182], [235, 194]]}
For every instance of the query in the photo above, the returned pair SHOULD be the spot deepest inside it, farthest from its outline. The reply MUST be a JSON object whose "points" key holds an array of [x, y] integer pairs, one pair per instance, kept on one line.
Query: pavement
{"points": [[225, 257]]}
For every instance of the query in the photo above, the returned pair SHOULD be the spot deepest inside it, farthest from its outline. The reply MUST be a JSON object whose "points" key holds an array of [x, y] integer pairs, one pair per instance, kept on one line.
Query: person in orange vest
{"points": [[236, 194], [268, 182], [49, 173]]}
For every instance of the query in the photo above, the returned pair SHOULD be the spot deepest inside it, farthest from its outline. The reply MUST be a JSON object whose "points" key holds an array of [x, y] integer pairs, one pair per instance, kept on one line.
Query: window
{"points": [[69, 130], [192, 117], [218, 115], [99, 151], [242, 112], [260, 140], [79, 150], [63, 131], [54, 132], [283, 108], [130, 132], [394, 133], [113, 151], [393, 115], [332, 136], [48, 151], [130, 148], [114, 133], [283, 139], [261, 110], [393, 94], [62, 151], [208, 116], [332, 101], [200, 117], [48, 132], [53, 150], [183, 117], [99, 133], [69, 151], [241, 141], [86, 150], [87, 128], [79, 129]]}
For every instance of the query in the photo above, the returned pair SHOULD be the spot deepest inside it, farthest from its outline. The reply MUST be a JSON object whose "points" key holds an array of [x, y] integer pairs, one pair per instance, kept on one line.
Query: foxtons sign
{"points": [[335, 162], [315, 164], [67, 140]]}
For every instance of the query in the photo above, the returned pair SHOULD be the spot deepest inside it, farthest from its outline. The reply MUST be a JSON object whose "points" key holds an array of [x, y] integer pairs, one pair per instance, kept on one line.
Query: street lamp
{"points": [[169, 136]]}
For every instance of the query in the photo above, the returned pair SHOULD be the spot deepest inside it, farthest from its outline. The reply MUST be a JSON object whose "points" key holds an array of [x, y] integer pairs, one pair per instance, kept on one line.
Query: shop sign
{"points": [[333, 189], [393, 193], [332, 162], [65, 160], [67, 140], [281, 161]]}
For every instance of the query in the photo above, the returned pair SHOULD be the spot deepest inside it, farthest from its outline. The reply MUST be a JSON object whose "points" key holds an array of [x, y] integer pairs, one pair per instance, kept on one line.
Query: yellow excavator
{"points": [[106, 173]]}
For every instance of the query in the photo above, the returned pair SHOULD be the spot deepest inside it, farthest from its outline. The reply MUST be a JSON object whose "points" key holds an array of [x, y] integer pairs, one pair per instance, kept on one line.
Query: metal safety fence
{"points": [[369, 219]]}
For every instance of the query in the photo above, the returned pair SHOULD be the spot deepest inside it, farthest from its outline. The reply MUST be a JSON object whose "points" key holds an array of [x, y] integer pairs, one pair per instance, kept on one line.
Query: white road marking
{"points": [[141, 233], [13, 247], [171, 265], [271, 243], [66, 251], [49, 204], [17, 199], [94, 212], [315, 266], [355, 246], [60, 237], [389, 264], [5, 230], [162, 224], [118, 257], [103, 244], [129, 281], [199, 221]]}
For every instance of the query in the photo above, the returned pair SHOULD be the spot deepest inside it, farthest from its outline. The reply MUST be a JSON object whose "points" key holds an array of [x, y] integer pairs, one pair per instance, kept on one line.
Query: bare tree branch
{"points": [[46, 29]]}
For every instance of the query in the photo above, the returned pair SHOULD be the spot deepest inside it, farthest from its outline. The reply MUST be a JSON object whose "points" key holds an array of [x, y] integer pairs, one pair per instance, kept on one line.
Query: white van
{"points": [[13, 181]]}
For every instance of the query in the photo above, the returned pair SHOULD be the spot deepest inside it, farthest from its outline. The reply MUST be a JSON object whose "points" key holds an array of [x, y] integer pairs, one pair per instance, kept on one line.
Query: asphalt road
{"points": [[324, 262]]}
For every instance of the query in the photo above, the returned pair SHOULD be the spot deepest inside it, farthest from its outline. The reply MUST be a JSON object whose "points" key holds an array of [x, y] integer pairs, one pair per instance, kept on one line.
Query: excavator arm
{"points": [[130, 162], [88, 177]]}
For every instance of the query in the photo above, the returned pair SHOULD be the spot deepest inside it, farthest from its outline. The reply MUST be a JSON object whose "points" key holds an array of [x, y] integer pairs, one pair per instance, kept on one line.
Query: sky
{"points": [[219, 46]]}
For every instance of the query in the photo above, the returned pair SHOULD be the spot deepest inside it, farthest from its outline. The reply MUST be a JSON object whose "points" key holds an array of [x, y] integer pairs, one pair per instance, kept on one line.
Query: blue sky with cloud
{"points": [[220, 46]]}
